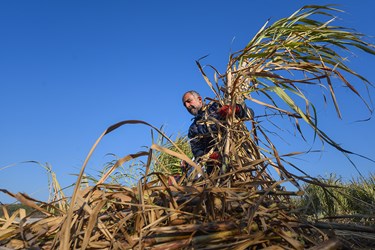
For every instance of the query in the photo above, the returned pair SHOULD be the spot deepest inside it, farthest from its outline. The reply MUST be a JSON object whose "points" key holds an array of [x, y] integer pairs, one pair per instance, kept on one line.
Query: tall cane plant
{"points": [[276, 69]]}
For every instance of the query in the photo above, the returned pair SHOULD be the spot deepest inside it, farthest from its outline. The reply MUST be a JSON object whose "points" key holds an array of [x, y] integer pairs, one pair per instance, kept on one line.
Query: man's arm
{"points": [[246, 112], [197, 146], [240, 111]]}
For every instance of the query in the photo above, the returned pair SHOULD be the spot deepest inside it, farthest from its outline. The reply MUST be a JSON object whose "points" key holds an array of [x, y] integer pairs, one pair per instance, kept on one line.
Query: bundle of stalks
{"points": [[197, 215], [240, 205]]}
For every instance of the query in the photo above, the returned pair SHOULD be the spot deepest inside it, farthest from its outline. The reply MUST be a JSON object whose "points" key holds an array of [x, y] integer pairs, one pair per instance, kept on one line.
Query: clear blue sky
{"points": [[70, 69]]}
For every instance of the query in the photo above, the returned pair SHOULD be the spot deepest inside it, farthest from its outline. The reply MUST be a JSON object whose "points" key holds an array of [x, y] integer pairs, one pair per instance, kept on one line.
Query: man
{"points": [[203, 129]]}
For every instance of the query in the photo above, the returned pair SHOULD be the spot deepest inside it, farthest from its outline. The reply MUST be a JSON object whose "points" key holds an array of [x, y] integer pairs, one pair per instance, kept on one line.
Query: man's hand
{"points": [[226, 110], [215, 156], [183, 166]]}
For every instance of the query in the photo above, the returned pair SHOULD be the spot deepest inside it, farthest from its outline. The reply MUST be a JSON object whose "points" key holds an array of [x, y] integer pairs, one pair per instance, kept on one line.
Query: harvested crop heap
{"points": [[240, 205]]}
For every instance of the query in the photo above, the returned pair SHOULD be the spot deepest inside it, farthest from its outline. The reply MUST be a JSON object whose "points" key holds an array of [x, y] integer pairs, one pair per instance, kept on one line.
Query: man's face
{"points": [[192, 103]]}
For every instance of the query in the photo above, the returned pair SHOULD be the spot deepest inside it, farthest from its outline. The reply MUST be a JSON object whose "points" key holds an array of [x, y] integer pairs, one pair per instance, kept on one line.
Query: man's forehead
{"points": [[188, 96]]}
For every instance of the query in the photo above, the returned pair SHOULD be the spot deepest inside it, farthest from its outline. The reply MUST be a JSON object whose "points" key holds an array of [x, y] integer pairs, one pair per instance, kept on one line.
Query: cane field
{"points": [[256, 197]]}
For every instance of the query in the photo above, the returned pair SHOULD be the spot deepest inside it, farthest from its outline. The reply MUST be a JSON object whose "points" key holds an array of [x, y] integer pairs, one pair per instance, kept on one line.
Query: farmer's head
{"points": [[192, 101]]}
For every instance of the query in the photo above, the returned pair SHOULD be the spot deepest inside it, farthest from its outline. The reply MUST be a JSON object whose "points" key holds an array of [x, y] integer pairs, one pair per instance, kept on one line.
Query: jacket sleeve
{"points": [[196, 144], [197, 148], [245, 112]]}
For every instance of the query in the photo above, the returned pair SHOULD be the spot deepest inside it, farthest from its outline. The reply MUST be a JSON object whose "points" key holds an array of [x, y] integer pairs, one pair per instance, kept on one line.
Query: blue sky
{"points": [[70, 69]]}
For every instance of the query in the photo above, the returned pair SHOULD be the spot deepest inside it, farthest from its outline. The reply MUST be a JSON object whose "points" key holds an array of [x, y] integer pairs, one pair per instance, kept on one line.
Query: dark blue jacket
{"points": [[199, 134]]}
